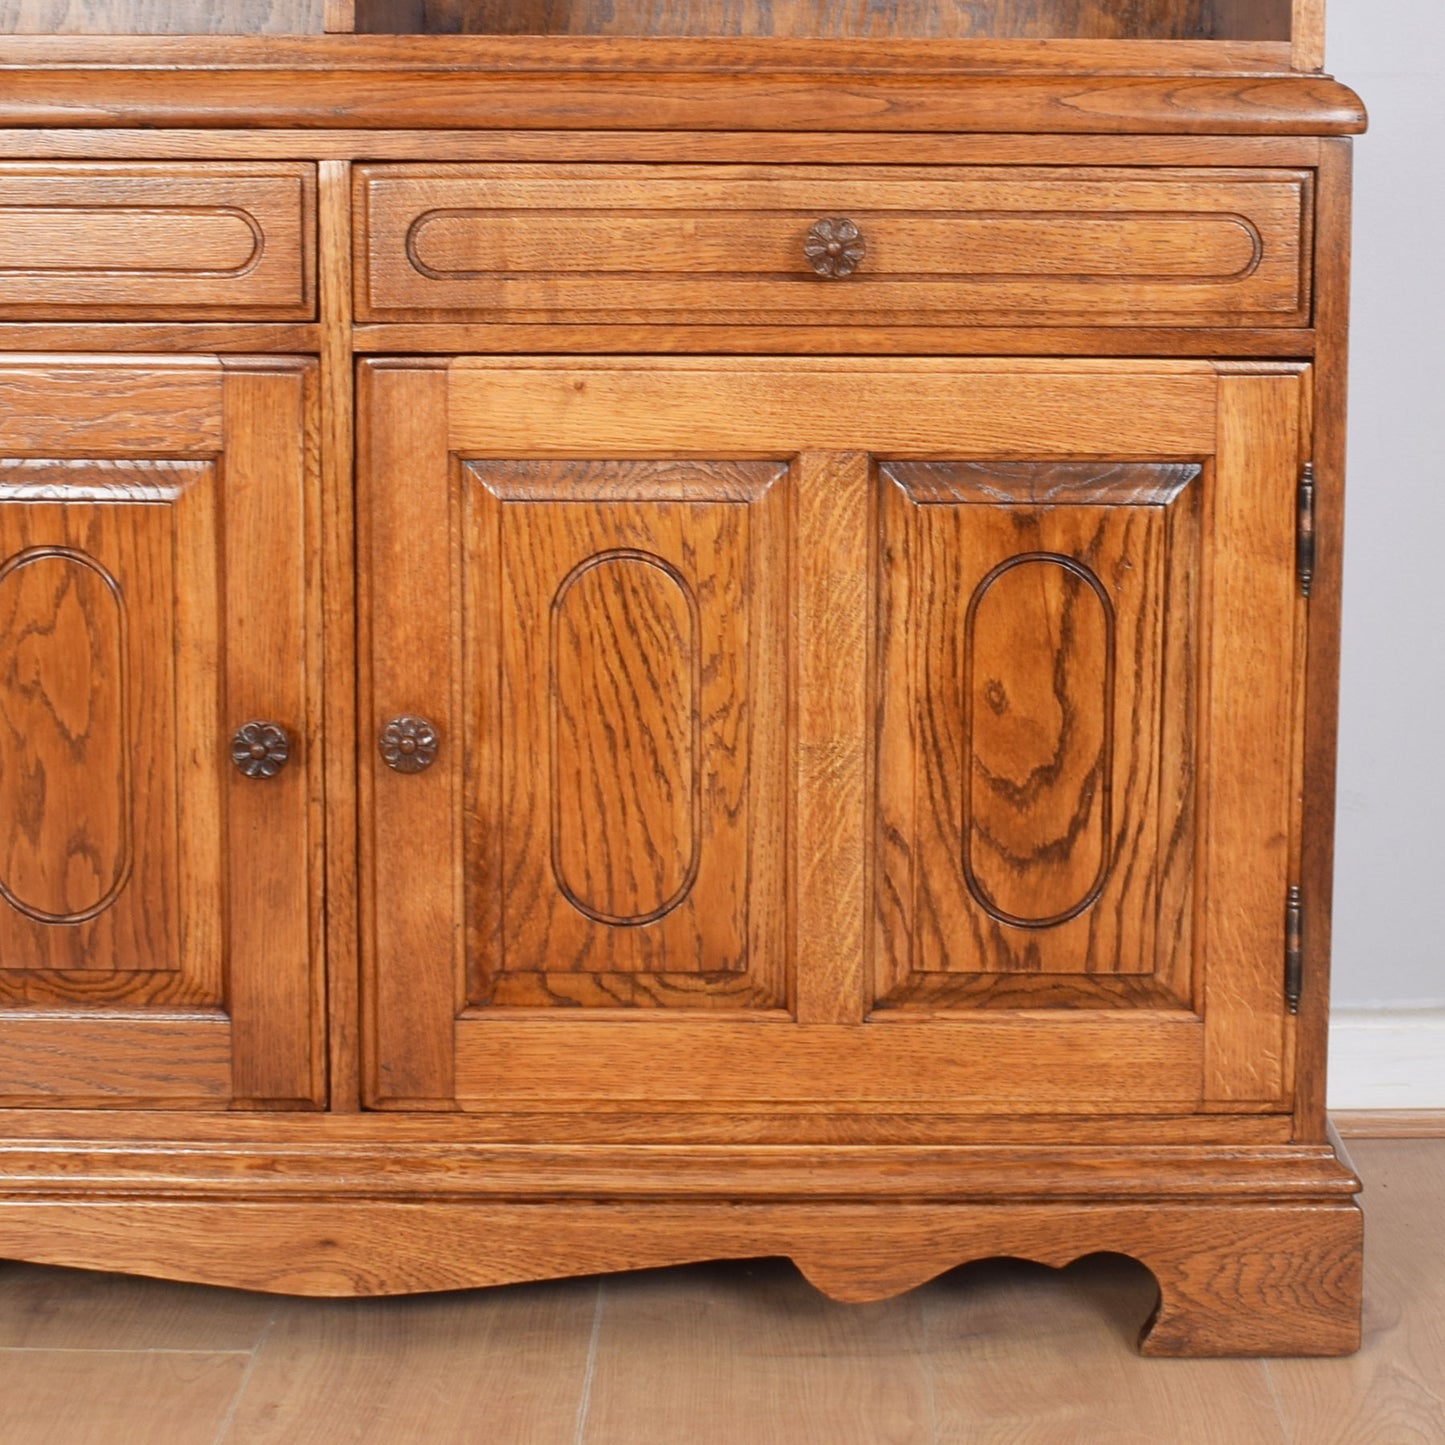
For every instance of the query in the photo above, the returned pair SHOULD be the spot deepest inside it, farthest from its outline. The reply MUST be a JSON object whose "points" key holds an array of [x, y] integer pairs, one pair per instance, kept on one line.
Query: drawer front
{"points": [[122, 241], [959, 246]]}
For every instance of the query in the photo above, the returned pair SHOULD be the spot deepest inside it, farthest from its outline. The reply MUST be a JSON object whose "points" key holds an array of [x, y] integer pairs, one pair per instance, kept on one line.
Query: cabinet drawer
{"points": [[126, 241], [729, 244]]}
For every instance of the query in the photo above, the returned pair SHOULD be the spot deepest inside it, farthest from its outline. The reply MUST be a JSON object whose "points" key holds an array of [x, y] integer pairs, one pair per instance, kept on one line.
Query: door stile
{"points": [[1249, 735], [833, 589], [271, 623], [409, 611]]}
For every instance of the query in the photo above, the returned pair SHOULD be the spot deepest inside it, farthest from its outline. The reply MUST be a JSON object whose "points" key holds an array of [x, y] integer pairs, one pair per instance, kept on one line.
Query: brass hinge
{"points": [[1305, 528], [1294, 926]]}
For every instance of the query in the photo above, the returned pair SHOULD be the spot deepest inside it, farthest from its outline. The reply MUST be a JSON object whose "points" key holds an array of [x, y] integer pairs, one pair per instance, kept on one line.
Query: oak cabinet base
{"points": [[1256, 1250]]}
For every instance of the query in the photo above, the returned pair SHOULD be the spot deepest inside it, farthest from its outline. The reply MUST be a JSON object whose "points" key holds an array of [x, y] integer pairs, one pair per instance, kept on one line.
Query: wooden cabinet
{"points": [[620, 645]]}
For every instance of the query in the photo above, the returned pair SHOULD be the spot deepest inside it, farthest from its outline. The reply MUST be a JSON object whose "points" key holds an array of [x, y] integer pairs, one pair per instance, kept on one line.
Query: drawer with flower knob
{"points": [[836, 245], [133, 241]]}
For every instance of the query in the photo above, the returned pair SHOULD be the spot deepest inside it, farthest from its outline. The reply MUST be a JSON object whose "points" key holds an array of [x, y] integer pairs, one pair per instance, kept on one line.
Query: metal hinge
{"points": [[1305, 528], [1294, 927]]}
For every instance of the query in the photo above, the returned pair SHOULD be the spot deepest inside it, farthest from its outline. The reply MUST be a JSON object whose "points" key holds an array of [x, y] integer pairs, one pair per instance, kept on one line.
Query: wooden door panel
{"points": [[1026, 823], [91, 842], [963, 729], [624, 666], [149, 604]]}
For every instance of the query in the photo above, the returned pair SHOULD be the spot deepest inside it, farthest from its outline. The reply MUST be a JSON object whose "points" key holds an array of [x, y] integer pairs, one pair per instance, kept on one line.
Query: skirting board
{"points": [[1387, 1059]]}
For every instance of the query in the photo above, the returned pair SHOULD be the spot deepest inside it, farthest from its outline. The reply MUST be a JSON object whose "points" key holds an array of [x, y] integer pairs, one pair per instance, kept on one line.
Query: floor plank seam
{"points": [[1286, 1430], [230, 1417], [589, 1369]]}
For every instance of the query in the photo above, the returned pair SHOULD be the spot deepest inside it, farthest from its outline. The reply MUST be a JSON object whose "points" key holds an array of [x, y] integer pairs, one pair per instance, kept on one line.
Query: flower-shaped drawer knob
{"points": [[260, 749], [408, 744], [835, 247]]}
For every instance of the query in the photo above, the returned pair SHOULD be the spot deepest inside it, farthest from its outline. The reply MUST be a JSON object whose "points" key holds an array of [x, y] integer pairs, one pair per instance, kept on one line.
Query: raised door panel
{"points": [[1038, 629], [727, 660], [625, 688], [155, 903]]}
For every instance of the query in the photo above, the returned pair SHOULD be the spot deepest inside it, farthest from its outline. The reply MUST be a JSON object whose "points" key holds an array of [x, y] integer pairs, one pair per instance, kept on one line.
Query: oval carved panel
{"points": [[626, 737], [1039, 708], [65, 794]]}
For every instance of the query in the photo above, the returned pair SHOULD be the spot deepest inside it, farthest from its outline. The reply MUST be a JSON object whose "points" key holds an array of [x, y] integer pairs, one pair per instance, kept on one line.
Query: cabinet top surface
{"points": [[736, 83]]}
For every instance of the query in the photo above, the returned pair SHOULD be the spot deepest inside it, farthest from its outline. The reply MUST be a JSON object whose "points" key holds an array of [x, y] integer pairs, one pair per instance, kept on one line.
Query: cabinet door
{"points": [[156, 901], [887, 735]]}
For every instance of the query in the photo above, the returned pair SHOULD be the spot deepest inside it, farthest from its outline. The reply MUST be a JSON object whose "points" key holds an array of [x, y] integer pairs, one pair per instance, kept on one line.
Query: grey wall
{"points": [[1390, 859]]}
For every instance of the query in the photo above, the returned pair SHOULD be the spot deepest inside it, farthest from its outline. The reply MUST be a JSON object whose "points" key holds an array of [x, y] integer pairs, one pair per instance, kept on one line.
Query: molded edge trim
{"points": [[439, 99], [424, 1172]]}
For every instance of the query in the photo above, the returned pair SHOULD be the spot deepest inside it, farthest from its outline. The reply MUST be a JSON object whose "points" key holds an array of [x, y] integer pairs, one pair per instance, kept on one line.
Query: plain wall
{"points": [[1390, 851]]}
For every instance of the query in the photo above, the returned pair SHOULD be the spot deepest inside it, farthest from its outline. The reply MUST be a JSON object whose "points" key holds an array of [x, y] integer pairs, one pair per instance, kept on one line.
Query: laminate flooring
{"points": [[723, 1354]]}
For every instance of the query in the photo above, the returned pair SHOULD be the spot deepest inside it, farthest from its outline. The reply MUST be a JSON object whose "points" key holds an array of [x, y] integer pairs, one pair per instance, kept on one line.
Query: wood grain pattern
{"points": [[411, 1171], [412, 873], [982, 1062], [595, 1122], [1025, 832], [1321, 704], [83, 1060], [900, 409], [831, 860], [765, 54], [1249, 706], [57, 406], [160, 17], [97, 93], [270, 604], [339, 627], [1031, 19], [124, 780], [1235, 1279], [756, 340], [716, 147], [626, 731], [109, 240], [91, 860], [1021, 247]]}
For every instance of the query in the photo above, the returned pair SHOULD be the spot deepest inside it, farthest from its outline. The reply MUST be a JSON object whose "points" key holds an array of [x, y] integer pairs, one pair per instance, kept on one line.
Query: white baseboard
{"points": [[1387, 1059]]}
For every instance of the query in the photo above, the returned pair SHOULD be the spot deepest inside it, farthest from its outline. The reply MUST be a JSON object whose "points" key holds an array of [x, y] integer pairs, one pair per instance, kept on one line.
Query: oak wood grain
{"points": [[1327, 445], [1246, 772], [58, 406], [1023, 19], [774, 54], [100, 94], [271, 606], [716, 147], [109, 240], [1101, 248], [902, 409], [625, 726], [1214, 1263], [339, 704], [127, 873], [831, 861], [418, 1172], [412, 876], [1030, 830]]}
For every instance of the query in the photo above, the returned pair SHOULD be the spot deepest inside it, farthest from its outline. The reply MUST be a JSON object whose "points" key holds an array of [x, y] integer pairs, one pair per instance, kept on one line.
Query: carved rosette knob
{"points": [[835, 247], [408, 744], [260, 749]]}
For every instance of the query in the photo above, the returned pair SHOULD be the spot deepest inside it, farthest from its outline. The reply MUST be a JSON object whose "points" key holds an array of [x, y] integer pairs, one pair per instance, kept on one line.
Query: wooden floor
{"points": [[736, 1354]]}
